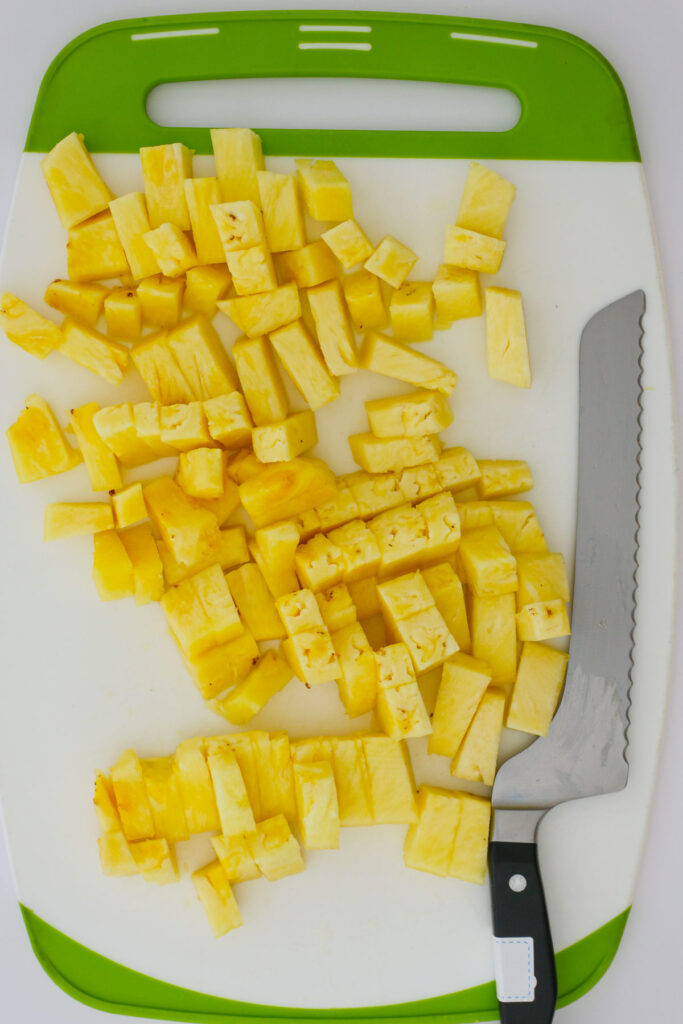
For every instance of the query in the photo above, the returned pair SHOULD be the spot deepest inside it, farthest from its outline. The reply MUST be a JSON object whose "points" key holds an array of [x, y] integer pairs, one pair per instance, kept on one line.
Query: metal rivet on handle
{"points": [[517, 883]]}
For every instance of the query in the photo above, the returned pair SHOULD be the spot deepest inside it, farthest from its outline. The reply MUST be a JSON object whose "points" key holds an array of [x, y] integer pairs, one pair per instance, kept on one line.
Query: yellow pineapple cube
{"points": [[112, 568], [72, 519], [188, 530], [358, 679], [105, 804], [159, 369], [401, 535], [413, 415], [100, 462], [474, 514], [308, 522], [228, 551], [387, 454], [117, 427], [211, 588], [477, 756], [172, 248], [235, 858], [352, 781], [304, 365], [472, 250], [34, 333], [239, 225], [270, 675], [494, 637], [261, 314], [319, 563], [449, 597], [204, 286], [228, 420], [542, 577], [74, 182], [403, 596], [375, 493], [463, 684], [155, 861], [393, 359], [333, 327], [325, 190], [37, 444], [164, 170], [201, 472], [457, 294], [506, 340], [249, 750], [82, 301], [196, 787], [260, 380], [312, 656], [391, 261], [223, 666], [349, 243], [486, 201], [282, 441], [280, 582], [234, 810], [502, 477], [540, 676], [277, 544], [313, 748], [543, 620], [317, 805], [148, 573], [90, 349], [275, 849], [215, 894], [430, 840], [401, 712], [427, 637], [392, 788], [282, 213], [276, 783], [469, 857], [412, 311], [116, 859], [94, 250], [419, 482], [132, 223], [131, 797], [306, 267], [161, 300], [283, 490], [254, 602], [184, 427], [342, 509], [163, 794], [200, 195], [443, 526], [252, 270], [457, 469], [239, 157], [363, 294], [129, 505], [336, 607], [490, 567], [519, 525], [123, 314]]}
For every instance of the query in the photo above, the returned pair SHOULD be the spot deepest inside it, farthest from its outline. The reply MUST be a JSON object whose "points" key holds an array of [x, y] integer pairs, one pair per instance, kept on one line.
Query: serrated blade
{"points": [[584, 752]]}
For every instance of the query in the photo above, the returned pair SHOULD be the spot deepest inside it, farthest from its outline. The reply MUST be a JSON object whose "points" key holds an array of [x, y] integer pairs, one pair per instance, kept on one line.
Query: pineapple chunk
{"points": [[543, 620], [299, 611], [283, 490], [391, 261], [392, 788], [413, 415], [317, 805], [275, 849], [277, 544], [105, 805], [400, 708], [37, 445], [74, 182], [116, 426], [361, 555], [352, 781], [477, 755], [188, 530], [161, 300], [490, 568], [358, 680], [401, 535], [260, 380], [336, 607], [463, 684], [384, 355], [319, 563], [239, 158], [112, 568], [184, 427], [325, 190], [84, 302], [157, 366], [279, 582], [472, 250], [375, 493], [342, 509], [132, 223], [283, 441], [304, 365], [270, 675], [427, 638], [201, 472], [100, 462], [155, 861], [236, 858], [201, 194], [230, 550], [129, 505], [541, 578], [252, 270], [431, 839], [223, 666], [131, 797], [228, 420], [537, 689], [306, 267], [494, 638], [200, 354], [363, 295], [457, 294], [234, 810], [148, 573], [94, 250], [419, 482], [282, 213], [196, 787], [443, 526], [254, 602], [412, 311], [449, 597], [164, 170], [519, 525], [502, 477], [116, 859], [406, 595], [163, 794], [90, 349], [215, 895], [457, 469], [123, 314], [312, 656], [387, 454], [486, 201], [72, 519], [333, 327], [239, 225], [506, 341], [172, 248], [211, 588], [469, 857], [29, 330], [204, 286], [261, 314], [349, 243]]}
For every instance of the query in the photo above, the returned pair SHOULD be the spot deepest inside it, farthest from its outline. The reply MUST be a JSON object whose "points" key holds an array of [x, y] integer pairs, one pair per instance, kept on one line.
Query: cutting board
{"points": [[356, 935]]}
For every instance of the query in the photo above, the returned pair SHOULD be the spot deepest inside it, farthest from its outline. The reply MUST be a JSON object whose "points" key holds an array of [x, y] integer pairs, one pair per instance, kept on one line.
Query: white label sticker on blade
{"points": [[514, 967]]}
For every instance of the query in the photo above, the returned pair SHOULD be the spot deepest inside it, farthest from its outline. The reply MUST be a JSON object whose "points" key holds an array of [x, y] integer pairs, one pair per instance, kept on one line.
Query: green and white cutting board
{"points": [[356, 935]]}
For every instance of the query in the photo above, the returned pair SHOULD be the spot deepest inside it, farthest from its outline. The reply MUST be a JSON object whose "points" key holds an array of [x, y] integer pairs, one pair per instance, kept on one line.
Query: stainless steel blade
{"points": [[584, 752]]}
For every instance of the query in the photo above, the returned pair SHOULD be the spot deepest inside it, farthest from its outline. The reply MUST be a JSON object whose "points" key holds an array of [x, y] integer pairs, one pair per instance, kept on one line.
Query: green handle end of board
{"points": [[106, 985], [574, 106]]}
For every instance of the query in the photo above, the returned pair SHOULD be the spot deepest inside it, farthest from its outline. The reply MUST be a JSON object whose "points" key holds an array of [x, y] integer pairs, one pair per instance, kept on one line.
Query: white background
{"points": [[646, 53]]}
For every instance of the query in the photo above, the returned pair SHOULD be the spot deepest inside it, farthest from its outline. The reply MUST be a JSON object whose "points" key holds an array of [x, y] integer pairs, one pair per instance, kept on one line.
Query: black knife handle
{"points": [[519, 913]]}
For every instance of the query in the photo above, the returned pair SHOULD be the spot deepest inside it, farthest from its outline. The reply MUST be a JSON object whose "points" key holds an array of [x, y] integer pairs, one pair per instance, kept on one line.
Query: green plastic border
{"points": [[574, 106], [106, 985]]}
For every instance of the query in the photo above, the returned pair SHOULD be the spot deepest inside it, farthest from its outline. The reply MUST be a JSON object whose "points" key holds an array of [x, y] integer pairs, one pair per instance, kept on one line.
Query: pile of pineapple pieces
{"points": [[420, 563]]}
